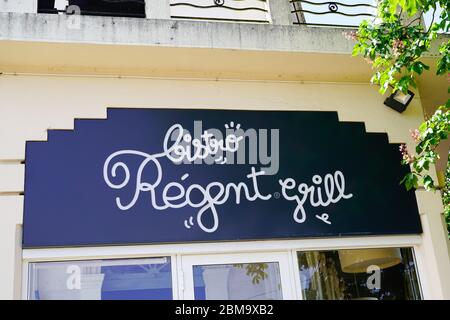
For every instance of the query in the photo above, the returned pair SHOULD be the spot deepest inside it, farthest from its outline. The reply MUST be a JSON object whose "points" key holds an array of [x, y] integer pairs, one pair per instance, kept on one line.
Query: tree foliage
{"points": [[446, 198], [394, 44]]}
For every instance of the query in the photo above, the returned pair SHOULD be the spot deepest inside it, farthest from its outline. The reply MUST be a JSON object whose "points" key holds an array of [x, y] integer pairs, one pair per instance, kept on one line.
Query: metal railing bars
{"points": [[304, 11]]}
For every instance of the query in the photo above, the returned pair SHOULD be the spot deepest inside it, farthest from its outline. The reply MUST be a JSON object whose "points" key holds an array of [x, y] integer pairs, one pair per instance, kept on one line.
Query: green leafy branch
{"points": [[446, 196], [427, 138], [394, 47]]}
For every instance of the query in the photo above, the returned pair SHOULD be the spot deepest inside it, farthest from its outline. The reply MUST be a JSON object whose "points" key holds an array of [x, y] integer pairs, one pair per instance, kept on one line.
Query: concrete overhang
{"points": [[111, 46], [41, 43], [44, 43]]}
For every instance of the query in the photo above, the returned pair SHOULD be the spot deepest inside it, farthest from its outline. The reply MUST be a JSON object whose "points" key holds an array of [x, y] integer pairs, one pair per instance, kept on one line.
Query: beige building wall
{"points": [[31, 104]]}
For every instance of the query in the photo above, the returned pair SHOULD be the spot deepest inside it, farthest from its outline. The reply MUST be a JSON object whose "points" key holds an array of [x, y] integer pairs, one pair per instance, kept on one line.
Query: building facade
{"points": [[84, 79]]}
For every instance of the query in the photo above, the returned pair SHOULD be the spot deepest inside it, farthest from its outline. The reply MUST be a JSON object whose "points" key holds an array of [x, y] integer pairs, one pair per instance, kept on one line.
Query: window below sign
{"points": [[241, 281], [359, 274], [258, 271], [137, 279]]}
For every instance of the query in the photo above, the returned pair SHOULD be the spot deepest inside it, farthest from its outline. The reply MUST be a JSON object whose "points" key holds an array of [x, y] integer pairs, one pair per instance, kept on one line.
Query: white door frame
{"points": [[282, 258]]}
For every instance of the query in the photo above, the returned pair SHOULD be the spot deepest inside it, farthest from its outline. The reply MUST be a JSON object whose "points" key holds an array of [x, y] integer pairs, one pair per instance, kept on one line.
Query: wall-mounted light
{"points": [[399, 101]]}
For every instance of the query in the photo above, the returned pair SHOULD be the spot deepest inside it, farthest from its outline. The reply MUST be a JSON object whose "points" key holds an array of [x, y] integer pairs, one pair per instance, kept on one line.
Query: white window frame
{"points": [[177, 251], [281, 258]]}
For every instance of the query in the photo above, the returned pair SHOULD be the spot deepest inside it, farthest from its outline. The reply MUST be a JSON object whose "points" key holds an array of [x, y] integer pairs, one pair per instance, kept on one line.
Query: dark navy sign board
{"points": [[75, 197]]}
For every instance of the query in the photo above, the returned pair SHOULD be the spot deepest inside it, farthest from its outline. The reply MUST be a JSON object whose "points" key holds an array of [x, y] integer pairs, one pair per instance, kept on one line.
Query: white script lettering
{"points": [[175, 194]]}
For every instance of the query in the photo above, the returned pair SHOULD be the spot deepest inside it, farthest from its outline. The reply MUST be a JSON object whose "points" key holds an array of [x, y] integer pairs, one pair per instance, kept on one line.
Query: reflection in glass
{"points": [[363, 274], [247, 281], [138, 279]]}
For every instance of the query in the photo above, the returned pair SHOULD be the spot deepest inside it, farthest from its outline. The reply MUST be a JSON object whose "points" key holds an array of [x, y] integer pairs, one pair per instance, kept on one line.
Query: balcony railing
{"points": [[299, 12], [230, 10], [332, 13]]}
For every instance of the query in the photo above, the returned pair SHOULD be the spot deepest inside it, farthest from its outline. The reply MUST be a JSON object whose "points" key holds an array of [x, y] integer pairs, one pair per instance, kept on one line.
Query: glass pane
{"points": [[247, 281], [361, 274], [139, 279]]}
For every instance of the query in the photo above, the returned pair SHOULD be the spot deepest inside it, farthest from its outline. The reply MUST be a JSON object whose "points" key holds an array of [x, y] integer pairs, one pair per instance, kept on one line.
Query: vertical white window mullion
{"points": [[175, 282], [25, 280], [421, 272], [296, 274], [180, 277], [286, 275]]}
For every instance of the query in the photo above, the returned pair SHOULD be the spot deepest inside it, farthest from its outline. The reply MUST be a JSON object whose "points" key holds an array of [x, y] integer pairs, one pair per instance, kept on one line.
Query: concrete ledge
{"points": [[111, 46], [172, 33]]}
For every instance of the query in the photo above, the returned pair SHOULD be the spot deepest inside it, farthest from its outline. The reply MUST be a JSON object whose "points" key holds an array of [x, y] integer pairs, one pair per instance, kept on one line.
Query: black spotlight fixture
{"points": [[399, 101]]}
